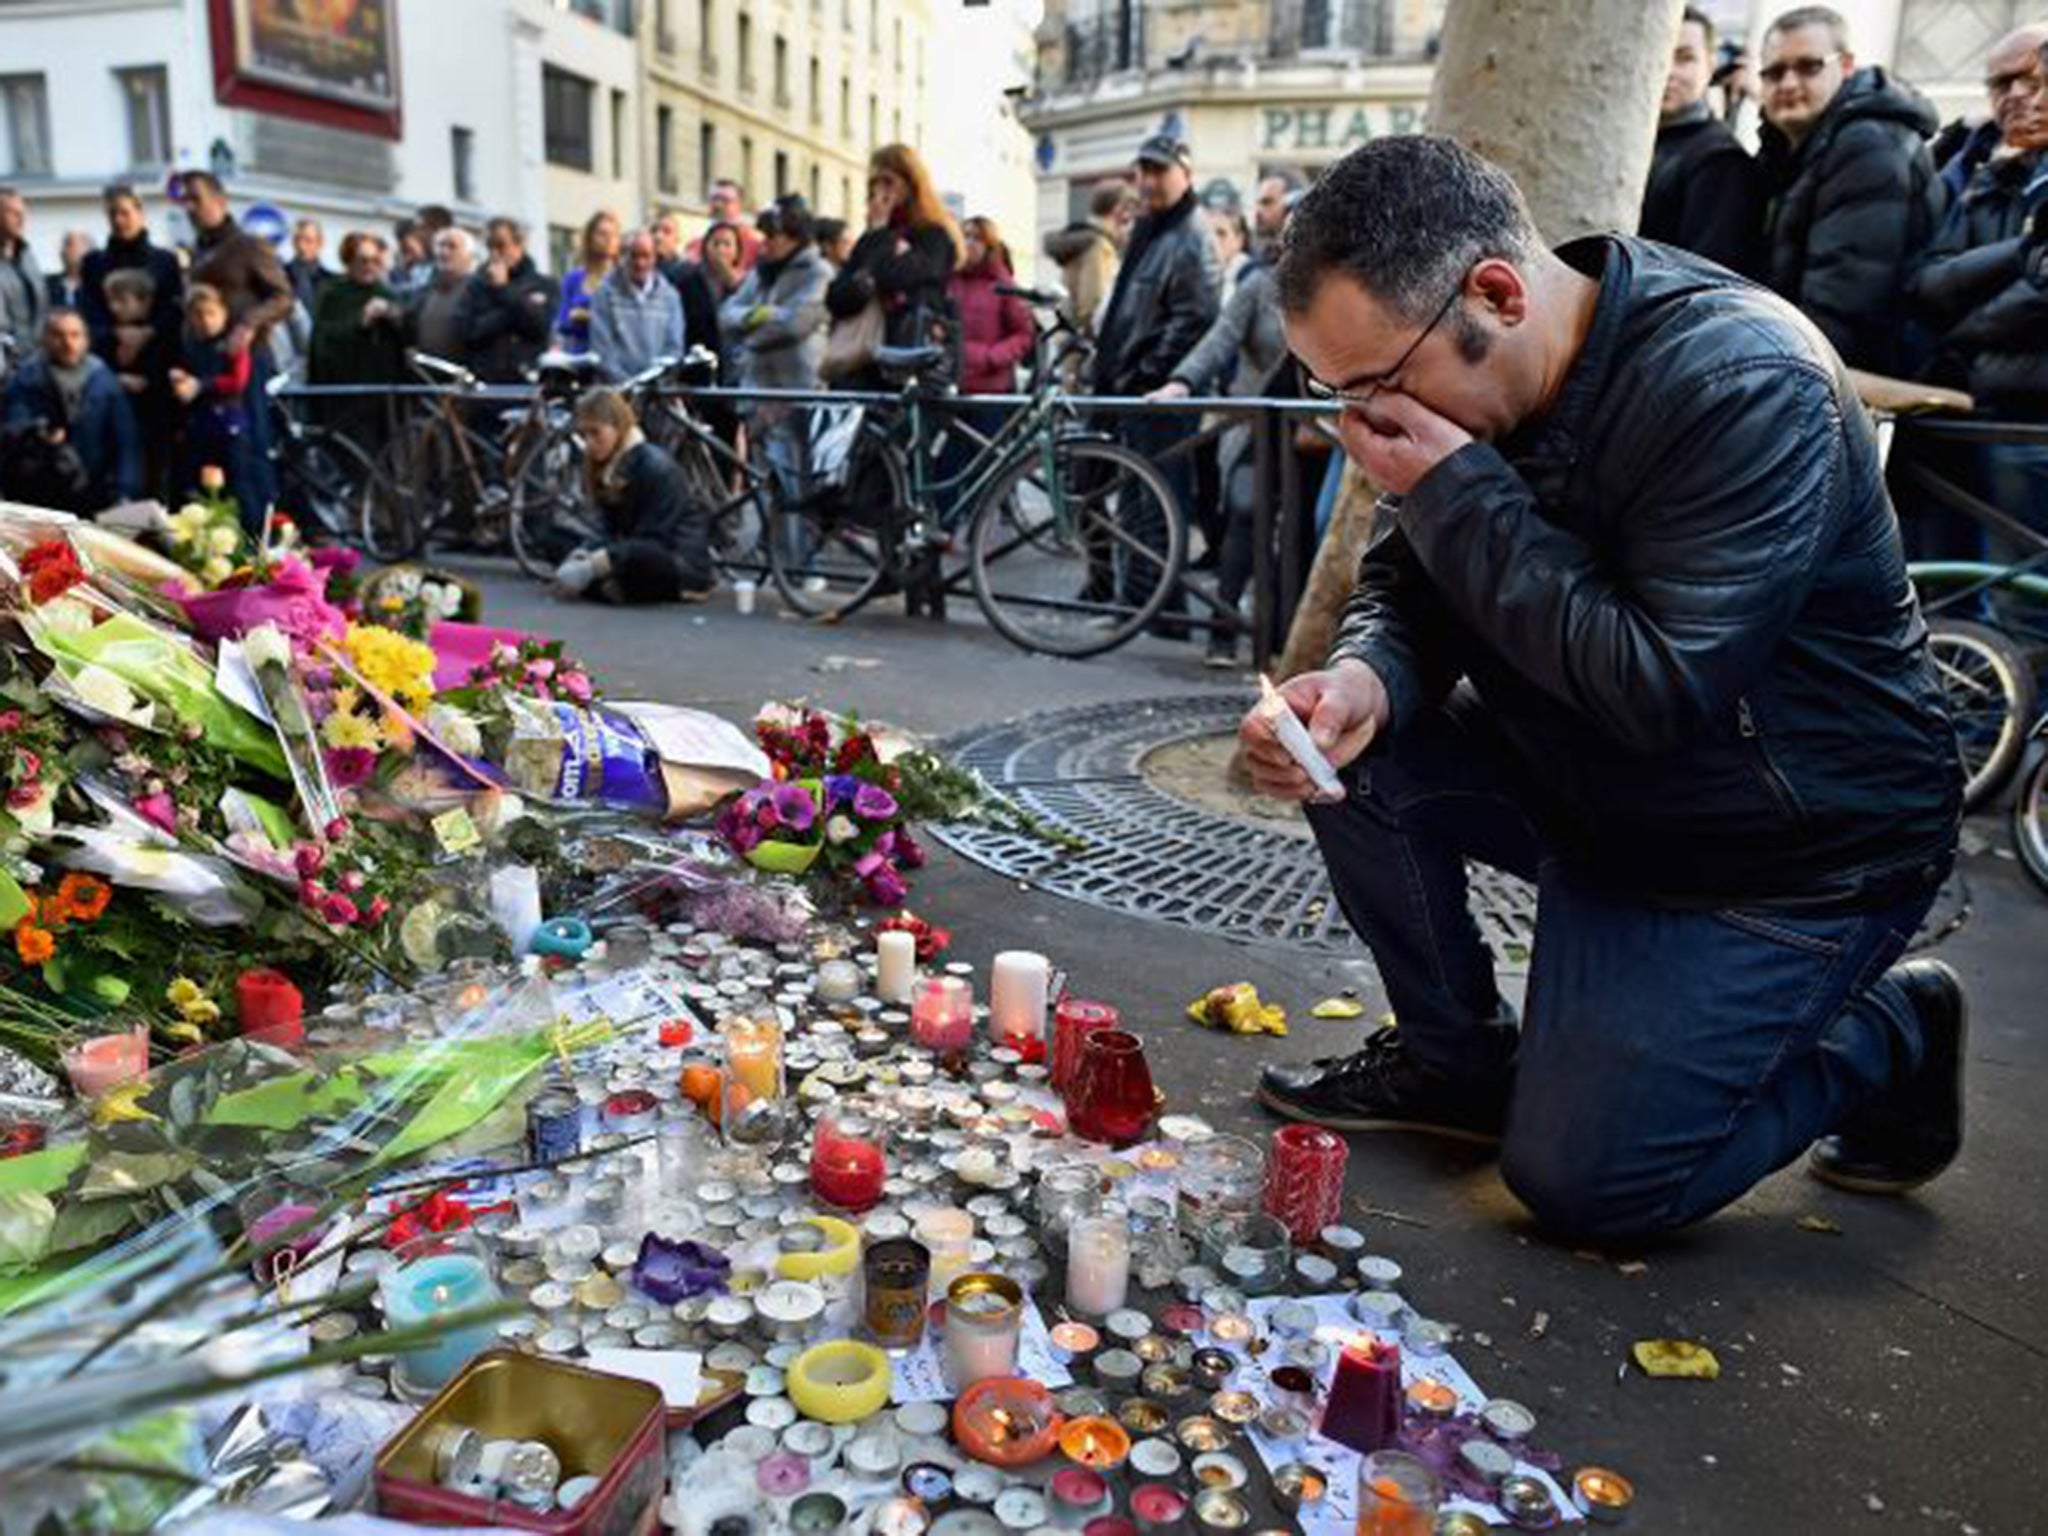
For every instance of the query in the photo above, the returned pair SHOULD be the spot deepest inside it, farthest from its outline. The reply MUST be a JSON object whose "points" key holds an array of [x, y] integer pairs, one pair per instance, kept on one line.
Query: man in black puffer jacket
{"points": [[1703, 194], [1853, 194], [1638, 628]]}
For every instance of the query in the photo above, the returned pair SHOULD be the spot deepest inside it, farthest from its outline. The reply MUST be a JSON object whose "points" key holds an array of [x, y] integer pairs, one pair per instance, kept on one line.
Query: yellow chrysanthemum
{"points": [[343, 732], [393, 664], [183, 992]]}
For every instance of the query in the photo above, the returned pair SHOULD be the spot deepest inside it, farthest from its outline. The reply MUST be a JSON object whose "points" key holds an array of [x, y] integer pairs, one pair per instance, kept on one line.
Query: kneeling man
{"points": [[1635, 626]]}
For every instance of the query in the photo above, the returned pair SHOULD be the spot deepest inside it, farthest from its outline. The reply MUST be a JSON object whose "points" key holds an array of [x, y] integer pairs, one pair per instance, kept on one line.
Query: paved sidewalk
{"points": [[1891, 1376]]}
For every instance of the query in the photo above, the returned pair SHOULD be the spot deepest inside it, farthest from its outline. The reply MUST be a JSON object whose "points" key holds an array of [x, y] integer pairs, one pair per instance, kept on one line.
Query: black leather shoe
{"points": [[1379, 1089], [1914, 1131]]}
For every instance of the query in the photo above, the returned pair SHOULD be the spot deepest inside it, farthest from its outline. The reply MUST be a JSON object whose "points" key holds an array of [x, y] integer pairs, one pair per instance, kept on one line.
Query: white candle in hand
{"points": [[895, 966]]}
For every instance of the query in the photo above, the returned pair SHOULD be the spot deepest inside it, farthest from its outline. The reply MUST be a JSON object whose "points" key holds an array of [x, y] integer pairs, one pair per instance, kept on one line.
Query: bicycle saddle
{"points": [[907, 362]]}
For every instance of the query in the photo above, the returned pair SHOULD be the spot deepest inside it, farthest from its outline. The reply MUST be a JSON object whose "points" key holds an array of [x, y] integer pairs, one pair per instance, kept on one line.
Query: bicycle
{"points": [[544, 529], [1074, 544], [320, 472], [438, 468]]}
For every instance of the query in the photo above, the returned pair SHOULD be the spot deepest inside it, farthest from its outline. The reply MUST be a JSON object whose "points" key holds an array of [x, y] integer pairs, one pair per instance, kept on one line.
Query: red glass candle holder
{"points": [[942, 1014], [1111, 1098], [1073, 1021], [270, 1008], [848, 1167], [1305, 1180]]}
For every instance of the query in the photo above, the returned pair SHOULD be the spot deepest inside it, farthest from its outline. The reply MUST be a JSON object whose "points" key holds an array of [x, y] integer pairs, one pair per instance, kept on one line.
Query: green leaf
{"points": [[88, 1223], [13, 901], [117, 1175], [26, 1220]]}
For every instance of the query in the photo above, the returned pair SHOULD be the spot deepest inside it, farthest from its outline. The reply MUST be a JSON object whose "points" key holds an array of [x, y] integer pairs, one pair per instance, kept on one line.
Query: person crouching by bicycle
{"points": [[658, 548]]}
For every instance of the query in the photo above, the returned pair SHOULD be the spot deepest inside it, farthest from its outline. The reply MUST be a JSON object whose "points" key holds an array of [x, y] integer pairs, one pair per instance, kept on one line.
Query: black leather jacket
{"points": [[1682, 594], [1164, 299]]}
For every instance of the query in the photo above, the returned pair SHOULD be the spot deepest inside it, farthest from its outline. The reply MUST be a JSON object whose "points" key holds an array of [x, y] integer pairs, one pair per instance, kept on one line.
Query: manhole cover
{"points": [[1185, 858], [1166, 856]]}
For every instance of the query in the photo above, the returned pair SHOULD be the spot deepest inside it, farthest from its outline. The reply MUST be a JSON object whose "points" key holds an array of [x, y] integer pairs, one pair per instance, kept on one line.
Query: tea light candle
{"points": [[895, 966], [1017, 985], [753, 1054], [942, 1014], [839, 981], [1602, 1496], [847, 1165], [1095, 1443], [948, 1233], [1098, 1264], [1157, 1509], [1074, 1343]]}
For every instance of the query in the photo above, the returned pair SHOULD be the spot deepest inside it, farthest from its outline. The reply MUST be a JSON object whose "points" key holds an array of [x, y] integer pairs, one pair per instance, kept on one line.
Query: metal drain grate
{"points": [[1151, 854]]}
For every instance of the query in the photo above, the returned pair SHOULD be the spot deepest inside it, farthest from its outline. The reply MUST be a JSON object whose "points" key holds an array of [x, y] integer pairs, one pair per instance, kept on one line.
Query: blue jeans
{"points": [[1670, 1057]]}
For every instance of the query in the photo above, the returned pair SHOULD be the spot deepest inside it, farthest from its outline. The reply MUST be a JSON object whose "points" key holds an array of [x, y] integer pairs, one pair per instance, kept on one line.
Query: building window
{"points": [[665, 149], [781, 76], [781, 172], [664, 28], [897, 45], [707, 155], [746, 160], [25, 108], [462, 154], [874, 121], [566, 102], [846, 196], [874, 26], [896, 124], [845, 107], [817, 186], [618, 135], [816, 82], [707, 35], [746, 53], [146, 102]]}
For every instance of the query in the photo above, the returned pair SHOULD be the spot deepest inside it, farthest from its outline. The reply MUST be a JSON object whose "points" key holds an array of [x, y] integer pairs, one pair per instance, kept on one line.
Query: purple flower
{"points": [[736, 826], [840, 788], [885, 887], [795, 807], [668, 1272], [908, 852], [873, 803]]}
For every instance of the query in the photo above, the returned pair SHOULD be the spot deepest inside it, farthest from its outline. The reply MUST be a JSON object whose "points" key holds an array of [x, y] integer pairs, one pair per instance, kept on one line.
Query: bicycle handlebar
{"points": [[1043, 298], [432, 366]]}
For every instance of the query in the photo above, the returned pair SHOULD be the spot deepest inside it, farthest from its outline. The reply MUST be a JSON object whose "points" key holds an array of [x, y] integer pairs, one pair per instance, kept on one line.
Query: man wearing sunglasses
{"points": [[1854, 196], [1635, 627]]}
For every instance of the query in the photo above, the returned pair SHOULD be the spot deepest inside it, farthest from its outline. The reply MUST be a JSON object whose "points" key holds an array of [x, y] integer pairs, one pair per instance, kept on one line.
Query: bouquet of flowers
{"points": [[413, 601], [205, 535]]}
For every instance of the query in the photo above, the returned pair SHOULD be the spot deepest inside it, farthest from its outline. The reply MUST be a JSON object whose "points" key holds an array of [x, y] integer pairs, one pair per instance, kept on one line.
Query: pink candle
{"points": [[1364, 1407], [942, 1015], [106, 1061]]}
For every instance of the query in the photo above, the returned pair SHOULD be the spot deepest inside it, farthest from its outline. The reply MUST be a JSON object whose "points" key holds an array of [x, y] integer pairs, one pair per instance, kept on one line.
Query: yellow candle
{"points": [[753, 1052]]}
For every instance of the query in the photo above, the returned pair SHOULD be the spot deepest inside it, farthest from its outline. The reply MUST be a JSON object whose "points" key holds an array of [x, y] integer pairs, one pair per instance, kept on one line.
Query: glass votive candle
{"points": [[1098, 1263], [1305, 1180], [984, 1315], [848, 1168], [947, 1233], [1064, 1193], [1251, 1256], [1398, 1495], [895, 1280], [753, 1056], [429, 1280], [942, 1014], [1073, 1020], [1222, 1180], [1111, 1098]]}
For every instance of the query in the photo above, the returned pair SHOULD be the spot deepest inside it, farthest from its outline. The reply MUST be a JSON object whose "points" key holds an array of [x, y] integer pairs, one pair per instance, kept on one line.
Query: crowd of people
{"points": [[1918, 251]]}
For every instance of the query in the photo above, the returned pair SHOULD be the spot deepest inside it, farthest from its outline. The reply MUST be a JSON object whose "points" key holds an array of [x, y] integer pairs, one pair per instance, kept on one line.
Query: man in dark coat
{"points": [[1696, 706], [1854, 198], [1704, 194], [2012, 77], [1164, 299], [128, 245], [67, 399], [508, 308]]}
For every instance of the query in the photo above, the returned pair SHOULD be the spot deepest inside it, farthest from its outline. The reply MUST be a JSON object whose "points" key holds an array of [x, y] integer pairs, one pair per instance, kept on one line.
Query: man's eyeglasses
{"points": [[1805, 69], [1351, 396]]}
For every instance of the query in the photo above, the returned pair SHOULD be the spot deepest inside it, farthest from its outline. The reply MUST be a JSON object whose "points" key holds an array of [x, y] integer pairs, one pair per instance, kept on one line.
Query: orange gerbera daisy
{"points": [[83, 896], [33, 944]]}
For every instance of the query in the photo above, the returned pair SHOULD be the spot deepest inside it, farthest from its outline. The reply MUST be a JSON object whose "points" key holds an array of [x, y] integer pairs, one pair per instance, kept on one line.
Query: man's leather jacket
{"points": [[1681, 592]]}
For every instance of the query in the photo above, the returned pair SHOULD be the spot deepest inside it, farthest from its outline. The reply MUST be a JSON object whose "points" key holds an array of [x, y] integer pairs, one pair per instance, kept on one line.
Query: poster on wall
{"points": [[326, 61]]}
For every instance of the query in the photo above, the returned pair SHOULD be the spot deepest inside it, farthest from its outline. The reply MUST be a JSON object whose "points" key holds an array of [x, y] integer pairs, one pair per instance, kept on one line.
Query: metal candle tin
{"points": [[554, 1126], [895, 1273]]}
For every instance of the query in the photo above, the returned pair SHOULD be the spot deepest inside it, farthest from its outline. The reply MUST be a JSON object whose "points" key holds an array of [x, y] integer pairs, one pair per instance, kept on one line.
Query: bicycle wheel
{"points": [[402, 498], [1991, 693], [2030, 821], [321, 475], [1076, 548], [551, 515], [832, 554]]}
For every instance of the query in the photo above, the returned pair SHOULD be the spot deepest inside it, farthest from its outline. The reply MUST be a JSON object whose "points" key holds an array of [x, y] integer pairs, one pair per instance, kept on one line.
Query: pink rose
{"points": [[10, 720], [308, 859], [351, 881], [576, 685], [377, 908], [159, 811], [339, 910], [23, 796]]}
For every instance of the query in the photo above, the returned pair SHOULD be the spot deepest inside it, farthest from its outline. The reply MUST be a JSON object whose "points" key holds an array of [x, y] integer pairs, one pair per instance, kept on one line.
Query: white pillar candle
{"points": [[895, 966], [515, 903], [1017, 983], [1098, 1264]]}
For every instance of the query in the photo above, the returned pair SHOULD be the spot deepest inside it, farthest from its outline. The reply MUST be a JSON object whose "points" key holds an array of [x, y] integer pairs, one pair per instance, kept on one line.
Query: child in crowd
{"points": [[210, 384], [141, 357]]}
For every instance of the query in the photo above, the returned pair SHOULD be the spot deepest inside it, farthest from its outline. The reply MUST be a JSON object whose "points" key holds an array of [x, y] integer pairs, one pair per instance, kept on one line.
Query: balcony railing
{"points": [[1108, 45]]}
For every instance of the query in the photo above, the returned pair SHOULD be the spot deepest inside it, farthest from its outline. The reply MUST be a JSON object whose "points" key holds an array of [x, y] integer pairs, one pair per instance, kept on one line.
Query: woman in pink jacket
{"points": [[995, 329]]}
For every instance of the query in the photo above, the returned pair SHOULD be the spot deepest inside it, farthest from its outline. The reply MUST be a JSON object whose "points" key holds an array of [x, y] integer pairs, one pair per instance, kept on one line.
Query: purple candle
{"points": [[1364, 1407]]}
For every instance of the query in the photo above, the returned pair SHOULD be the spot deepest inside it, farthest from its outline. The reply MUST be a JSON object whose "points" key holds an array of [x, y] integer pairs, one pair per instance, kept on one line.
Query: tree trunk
{"points": [[1563, 95]]}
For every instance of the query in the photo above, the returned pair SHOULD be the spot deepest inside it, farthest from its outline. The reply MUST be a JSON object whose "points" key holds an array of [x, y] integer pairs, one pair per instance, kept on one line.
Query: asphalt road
{"points": [[1891, 1375]]}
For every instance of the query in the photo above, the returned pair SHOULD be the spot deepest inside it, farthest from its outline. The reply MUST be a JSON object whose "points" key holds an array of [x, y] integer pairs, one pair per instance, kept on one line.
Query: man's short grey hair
{"points": [[1406, 217], [1813, 16]]}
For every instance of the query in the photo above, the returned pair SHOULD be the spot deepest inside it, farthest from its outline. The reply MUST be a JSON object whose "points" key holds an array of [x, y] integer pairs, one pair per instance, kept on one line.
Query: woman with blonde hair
{"points": [[657, 546], [903, 263], [602, 235]]}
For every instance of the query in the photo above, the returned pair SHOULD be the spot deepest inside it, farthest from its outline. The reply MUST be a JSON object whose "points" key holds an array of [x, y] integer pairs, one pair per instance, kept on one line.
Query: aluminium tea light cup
{"points": [[1601, 1495], [1142, 1416], [1527, 1502], [1487, 1464]]}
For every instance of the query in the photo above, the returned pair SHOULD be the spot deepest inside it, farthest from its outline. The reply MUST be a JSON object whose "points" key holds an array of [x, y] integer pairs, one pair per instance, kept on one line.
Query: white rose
{"points": [[223, 540], [107, 693], [405, 584], [266, 644], [456, 730], [39, 817], [840, 829], [216, 570]]}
